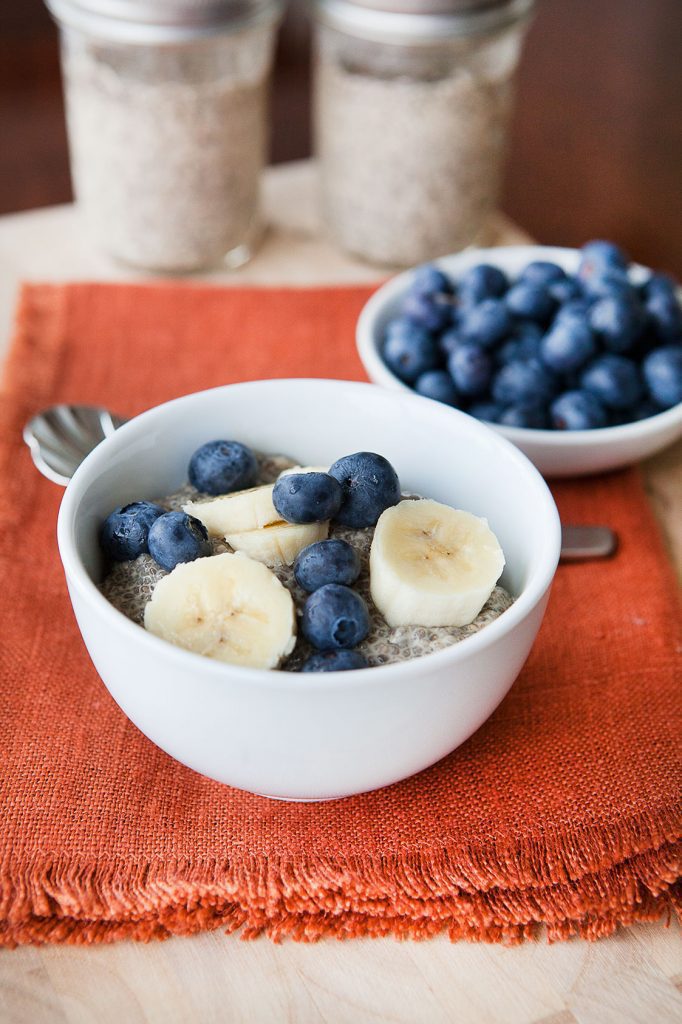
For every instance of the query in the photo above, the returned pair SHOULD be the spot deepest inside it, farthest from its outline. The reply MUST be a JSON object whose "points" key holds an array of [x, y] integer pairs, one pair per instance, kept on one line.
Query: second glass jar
{"points": [[411, 116]]}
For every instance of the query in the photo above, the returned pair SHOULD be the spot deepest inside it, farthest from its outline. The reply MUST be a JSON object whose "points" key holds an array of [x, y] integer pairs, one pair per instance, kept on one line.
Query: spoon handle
{"points": [[581, 543]]}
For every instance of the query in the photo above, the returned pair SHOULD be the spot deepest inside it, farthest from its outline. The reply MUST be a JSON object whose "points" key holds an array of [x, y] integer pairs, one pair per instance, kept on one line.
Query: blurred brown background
{"points": [[596, 147]]}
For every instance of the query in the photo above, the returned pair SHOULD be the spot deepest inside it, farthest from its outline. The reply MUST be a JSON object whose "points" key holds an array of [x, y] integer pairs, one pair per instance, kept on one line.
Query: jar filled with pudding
{"points": [[412, 105], [166, 104]]}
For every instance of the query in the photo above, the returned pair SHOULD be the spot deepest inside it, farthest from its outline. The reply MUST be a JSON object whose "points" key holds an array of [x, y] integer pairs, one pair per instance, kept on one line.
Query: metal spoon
{"points": [[60, 437]]}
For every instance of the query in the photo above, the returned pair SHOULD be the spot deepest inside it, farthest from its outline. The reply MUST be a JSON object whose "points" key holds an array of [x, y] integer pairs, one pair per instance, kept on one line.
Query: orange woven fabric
{"points": [[563, 809]]}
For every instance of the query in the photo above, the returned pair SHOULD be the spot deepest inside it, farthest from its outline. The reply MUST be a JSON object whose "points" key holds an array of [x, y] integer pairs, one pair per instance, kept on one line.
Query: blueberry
{"points": [[370, 485], [471, 369], [402, 327], [334, 661], [511, 350], [437, 384], [529, 300], [605, 254], [526, 415], [488, 411], [542, 272], [482, 282], [125, 531], [426, 310], [449, 341], [219, 467], [307, 497], [665, 315], [574, 309], [600, 280], [567, 345], [335, 617], [429, 280], [618, 321], [486, 323], [176, 537], [662, 371], [565, 290], [659, 284], [577, 410], [521, 382], [410, 351], [614, 380], [524, 343], [327, 561]]}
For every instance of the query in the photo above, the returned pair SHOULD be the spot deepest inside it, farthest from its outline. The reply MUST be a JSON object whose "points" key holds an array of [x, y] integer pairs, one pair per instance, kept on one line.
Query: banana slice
{"points": [[304, 469], [236, 513], [244, 510], [278, 543], [432, 565], [249, 522], [226, 607]]}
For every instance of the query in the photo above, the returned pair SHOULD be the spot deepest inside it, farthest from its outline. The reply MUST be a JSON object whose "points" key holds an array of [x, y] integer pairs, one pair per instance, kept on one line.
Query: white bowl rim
{"points": [[126, 628], [367, 346]]}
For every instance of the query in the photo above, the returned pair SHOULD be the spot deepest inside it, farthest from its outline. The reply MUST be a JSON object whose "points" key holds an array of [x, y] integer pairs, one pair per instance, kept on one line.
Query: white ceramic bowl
{"points": [[311, 736], [554, 452]]}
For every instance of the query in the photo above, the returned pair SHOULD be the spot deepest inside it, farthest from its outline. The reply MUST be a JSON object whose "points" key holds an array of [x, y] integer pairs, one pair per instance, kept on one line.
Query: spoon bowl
{"points": [[60, 437]]}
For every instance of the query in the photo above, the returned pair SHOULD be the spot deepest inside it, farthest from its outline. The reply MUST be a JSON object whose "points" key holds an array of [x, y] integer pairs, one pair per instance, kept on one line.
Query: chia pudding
{"points": [[411, 135], [411, 169], [167, 145], [129, 586]]}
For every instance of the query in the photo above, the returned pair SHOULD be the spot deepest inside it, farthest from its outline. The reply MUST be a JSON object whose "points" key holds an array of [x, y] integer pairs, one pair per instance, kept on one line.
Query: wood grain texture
{"points": [[627, 979], [633, 977]]}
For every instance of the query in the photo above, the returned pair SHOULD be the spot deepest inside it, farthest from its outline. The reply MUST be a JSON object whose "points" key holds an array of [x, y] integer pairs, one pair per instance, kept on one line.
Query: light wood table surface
{"points": [[634, 977]]}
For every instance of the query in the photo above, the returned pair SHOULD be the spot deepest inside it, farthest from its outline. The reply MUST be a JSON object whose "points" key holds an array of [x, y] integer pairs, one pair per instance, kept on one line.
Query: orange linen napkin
{"points": [[564, 808]]}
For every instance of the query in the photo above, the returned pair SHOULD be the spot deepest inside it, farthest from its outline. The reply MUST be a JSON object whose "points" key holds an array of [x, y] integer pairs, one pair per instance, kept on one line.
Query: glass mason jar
{"points": [[411, 116], [166, 104]]}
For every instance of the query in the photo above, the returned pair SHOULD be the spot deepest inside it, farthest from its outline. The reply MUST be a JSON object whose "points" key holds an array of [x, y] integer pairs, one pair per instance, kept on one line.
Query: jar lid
{"points": [[420, 21], [160, 21]]}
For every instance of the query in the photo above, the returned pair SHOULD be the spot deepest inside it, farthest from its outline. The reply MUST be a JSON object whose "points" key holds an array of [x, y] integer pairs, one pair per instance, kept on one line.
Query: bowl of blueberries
{"points": [[574, 355]]}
